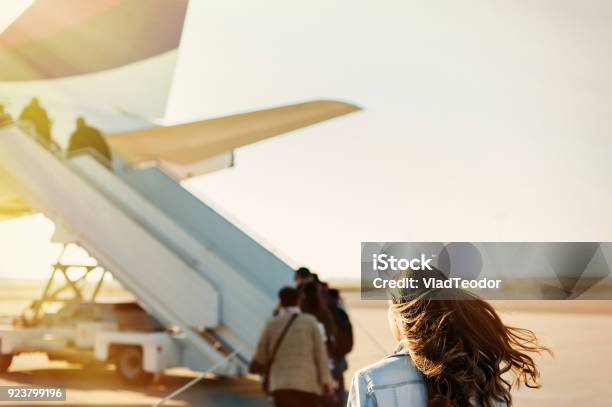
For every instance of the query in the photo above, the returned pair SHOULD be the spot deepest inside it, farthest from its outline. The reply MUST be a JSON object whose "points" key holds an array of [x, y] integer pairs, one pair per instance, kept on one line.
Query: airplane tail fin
{"points": [[120, 51]]}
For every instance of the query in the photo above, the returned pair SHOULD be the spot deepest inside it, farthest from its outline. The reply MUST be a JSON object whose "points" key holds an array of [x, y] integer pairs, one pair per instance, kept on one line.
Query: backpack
{"points": [[344, 332]]}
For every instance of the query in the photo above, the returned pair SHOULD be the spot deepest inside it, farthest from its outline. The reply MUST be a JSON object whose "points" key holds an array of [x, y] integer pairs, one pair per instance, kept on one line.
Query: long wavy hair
{"points": [[462, 347]]}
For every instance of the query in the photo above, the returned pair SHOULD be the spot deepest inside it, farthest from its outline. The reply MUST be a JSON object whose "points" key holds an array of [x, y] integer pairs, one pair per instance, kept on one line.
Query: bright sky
{"points": [[483, 120]]}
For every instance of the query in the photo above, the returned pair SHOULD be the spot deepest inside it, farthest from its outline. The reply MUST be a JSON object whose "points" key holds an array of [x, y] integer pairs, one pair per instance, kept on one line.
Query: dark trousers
{"points": [[340, 367], [294, 398]]}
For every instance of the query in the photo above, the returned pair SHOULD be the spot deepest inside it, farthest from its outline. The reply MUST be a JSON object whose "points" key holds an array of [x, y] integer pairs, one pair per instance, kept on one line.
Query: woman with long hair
{"points": [[453, 351], [312, 302]]}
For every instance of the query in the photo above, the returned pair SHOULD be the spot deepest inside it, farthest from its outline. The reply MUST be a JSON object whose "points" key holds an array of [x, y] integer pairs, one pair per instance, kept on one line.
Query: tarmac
{"points": [[578, 332]]}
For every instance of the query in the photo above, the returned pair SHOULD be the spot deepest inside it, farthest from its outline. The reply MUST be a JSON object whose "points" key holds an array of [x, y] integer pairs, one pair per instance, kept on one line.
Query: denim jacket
{"points": [[391, 382]]}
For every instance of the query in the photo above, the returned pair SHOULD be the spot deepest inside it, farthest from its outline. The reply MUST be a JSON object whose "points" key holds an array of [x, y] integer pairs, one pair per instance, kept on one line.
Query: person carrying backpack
{"points": [[35, 114], [344, 341], [85, 136]]}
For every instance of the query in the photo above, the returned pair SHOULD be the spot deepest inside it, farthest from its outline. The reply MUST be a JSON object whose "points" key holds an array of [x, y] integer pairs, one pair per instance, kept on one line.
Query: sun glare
{"points": [[27, 250]]}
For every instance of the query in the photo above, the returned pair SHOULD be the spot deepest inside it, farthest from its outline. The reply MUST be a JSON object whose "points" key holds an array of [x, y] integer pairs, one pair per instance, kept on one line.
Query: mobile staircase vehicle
{"points": [[210, 284]]}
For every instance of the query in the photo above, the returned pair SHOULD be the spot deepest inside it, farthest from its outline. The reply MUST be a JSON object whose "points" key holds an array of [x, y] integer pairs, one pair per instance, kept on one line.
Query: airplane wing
{"points": [[195, 148]]}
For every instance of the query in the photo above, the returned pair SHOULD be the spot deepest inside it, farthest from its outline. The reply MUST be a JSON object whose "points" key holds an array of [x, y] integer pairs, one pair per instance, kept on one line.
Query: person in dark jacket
{"points": [[343, 343], [85, 137], [35, 114]]}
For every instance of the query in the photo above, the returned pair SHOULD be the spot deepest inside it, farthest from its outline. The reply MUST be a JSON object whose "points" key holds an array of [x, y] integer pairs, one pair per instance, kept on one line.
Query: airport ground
{"points": [[579, 332]]}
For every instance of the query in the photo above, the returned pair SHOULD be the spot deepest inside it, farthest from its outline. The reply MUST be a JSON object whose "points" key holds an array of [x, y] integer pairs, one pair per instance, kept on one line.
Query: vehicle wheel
{"points": [[128, 362], [5, 362]]}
